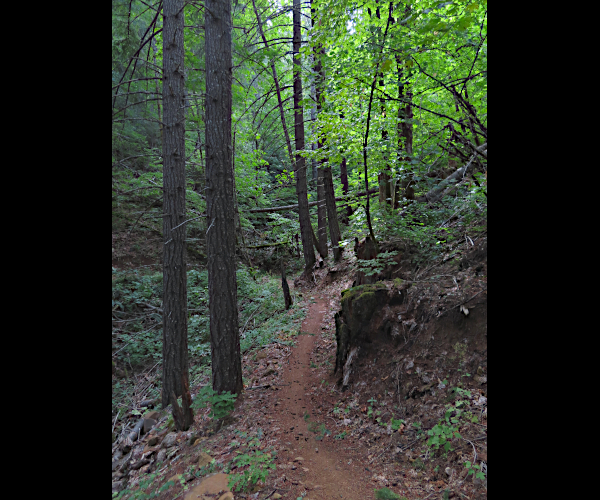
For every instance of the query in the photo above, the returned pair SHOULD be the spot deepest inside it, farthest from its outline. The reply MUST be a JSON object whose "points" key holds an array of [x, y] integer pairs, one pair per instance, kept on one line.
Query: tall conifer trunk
{"points": [[220, 234], [175, 348], [300, 164], [334, 228]]}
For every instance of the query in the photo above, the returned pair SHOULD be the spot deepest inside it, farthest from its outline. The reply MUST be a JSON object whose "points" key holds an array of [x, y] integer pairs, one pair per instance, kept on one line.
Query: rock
{"points": [[480, 379], [204, 459], [172, 453], [137, 452], [117, 486], [169, 440], [192, 436], [210, 486], [147, 425], [153, 441], [276, 496], [261, 355], [268, 372], [162, 455], [298, 459], [154, 415]]}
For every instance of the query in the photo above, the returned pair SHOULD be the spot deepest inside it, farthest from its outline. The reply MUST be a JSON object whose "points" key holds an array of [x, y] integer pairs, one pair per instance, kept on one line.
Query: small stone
{"points": [[154, 415], [117, 485], [226, 496], [276, 496], [298, 459], [153, 441], [204, 459], [162, 455], [148, 424], [170, 440]]}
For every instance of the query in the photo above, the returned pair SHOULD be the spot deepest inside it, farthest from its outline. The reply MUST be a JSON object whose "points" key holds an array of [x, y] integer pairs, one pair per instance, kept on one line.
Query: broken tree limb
{"points": [[311, 204], [271, 244], [436, 193]]}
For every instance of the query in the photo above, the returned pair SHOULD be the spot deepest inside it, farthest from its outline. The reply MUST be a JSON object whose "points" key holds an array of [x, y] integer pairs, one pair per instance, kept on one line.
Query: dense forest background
{"points": [[380, 108], [358, 138], [425, 64]]}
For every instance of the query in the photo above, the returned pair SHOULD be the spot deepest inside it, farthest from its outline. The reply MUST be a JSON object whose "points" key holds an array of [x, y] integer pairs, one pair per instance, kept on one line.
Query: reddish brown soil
{"points": [[328, 469]]}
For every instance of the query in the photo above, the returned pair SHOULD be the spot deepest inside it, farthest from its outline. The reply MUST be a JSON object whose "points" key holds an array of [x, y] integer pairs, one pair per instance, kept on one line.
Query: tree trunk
{"points": [[321, 212], [405, 127], [334, 227], [220, 235], [325, 172], [300, 164], [309, 256], [344, 180], [366, 139], [286, 289], [175, 348], [321, 202]]}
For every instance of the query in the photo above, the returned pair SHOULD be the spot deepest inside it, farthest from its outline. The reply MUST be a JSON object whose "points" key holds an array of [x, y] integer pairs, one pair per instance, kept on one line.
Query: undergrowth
{"points": [[137, 327]]}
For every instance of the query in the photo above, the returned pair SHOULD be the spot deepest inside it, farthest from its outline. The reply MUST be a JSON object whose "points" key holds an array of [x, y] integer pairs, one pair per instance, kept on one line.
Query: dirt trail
{"points": [[325, 470]]}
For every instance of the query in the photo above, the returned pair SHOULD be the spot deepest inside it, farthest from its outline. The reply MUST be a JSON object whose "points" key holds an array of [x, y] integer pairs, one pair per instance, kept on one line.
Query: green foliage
{"points": [[255, 462], [378, 264], [221, 404], [474, 469], [387, 494], [396, 423], [139, 494]]}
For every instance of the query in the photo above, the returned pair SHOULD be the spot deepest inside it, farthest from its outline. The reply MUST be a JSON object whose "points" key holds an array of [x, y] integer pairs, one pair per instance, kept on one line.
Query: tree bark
{"points": [[344, 180], [220, 235], [366, 139], [309, 256], [405, 127], [334, 227], [175, 348], [332, 219], [321, 212], [300, 164], [286, 289]]}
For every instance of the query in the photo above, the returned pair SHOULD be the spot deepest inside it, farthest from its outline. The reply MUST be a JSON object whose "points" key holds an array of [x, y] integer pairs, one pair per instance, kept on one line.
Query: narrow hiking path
{"points": [[318, 466]]}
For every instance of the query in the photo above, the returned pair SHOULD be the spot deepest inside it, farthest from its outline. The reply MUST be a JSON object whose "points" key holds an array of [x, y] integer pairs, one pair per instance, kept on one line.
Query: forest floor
{"points": [[332, 444]]}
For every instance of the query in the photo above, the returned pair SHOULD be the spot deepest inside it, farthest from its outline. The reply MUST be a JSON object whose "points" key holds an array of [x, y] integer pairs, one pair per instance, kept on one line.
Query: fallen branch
{"points": [[271, 244], [311, 204], [436, 193]]}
